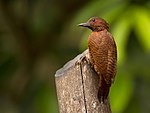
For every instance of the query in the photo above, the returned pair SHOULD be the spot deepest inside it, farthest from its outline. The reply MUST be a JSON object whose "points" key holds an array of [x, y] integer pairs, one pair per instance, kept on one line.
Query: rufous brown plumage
{"points": [[103, 54]]}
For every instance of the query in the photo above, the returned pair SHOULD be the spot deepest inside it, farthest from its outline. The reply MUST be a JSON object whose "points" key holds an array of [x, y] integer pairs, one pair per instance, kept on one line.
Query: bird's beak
{"points": [[87, 24]]}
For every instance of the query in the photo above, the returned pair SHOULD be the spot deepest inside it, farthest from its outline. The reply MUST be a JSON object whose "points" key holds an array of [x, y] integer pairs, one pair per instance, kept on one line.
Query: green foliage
{"points": [[141, 19], [121, 92]]}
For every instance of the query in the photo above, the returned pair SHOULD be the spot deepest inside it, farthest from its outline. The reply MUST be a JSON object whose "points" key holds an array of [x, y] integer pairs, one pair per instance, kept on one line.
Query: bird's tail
{"points": [[103, 90]]}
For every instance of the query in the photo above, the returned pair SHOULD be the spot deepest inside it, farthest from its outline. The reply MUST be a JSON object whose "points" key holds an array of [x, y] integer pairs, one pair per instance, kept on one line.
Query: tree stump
{"points": [[77, 88]]}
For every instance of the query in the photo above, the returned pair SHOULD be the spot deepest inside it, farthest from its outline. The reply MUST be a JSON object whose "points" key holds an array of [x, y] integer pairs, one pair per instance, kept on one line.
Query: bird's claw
{"points": [[78, 62], [83, 57]]}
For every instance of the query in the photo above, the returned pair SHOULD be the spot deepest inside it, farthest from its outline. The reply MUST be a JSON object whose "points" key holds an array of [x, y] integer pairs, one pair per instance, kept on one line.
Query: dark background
{"points": [[37, 37]]}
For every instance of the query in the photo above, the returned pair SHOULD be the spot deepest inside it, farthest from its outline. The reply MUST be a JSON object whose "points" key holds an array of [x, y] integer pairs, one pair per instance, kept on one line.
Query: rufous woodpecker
{"points": [[102, 53]]}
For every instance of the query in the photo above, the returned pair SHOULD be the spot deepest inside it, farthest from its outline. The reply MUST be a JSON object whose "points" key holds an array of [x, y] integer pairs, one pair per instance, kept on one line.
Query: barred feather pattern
{"points": [[103, 55]]}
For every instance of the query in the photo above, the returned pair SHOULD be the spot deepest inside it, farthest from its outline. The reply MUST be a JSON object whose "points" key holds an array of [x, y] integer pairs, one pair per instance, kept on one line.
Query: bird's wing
{"points": [[103, 54]]}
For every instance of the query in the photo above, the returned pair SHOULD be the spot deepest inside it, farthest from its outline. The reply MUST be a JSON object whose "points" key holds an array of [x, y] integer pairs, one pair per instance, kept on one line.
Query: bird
{"points": [[102, 53]]}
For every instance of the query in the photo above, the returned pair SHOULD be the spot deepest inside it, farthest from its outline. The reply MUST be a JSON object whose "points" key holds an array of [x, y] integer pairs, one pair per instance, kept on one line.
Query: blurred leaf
{"points": [[114, 12], [121, 32], [142, 26], [121, 92]]}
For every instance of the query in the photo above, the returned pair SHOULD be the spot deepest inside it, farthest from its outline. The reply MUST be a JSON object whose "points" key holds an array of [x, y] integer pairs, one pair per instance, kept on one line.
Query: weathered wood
{"points": [[77, 88]]}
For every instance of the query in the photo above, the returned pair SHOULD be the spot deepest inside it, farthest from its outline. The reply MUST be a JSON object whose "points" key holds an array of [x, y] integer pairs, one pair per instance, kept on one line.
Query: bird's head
{"points": [[96, 24]]}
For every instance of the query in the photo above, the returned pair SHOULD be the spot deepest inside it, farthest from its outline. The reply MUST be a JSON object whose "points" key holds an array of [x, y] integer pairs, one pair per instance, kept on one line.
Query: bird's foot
{"points": [[85, 56], [78, 62]]}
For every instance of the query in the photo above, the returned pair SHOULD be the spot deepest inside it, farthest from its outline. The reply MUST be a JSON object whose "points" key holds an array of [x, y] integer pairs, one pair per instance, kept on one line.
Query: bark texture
{"points": [[77, 88]]}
